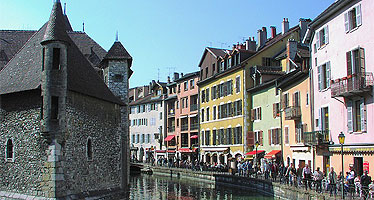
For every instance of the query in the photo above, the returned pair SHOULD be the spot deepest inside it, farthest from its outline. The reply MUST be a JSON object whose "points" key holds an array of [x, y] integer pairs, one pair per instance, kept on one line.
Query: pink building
{"points": [[182, 116], [342, 53]]}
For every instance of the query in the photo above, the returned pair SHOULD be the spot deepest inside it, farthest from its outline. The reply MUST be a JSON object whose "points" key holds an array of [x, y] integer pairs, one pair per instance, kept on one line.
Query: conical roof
{"points": [[117, 51], [56, 26]]}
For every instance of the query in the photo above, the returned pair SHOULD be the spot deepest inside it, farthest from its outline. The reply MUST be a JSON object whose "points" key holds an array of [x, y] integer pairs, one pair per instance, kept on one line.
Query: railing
{"points": [[184, 127], [171, 129], [293, 112], [193, 107], [352, 84], [194, 126], [317, 137]]}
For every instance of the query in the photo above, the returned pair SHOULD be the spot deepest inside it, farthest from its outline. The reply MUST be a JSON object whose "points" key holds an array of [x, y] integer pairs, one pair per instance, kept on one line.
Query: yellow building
{"points": [[222, 91]]}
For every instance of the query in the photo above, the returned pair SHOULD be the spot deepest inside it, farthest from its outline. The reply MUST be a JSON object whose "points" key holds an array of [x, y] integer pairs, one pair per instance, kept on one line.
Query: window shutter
{"points": [[250, 138], [346, 22], [319, 78], [283, 101], [320, 119], [317, 40], [261, 140], [305, 129], [363, 114], [279, 135], [358, 15], [328, 74], [274, 110], [362, 60], [286, 137], [273, 136], [259, 113], [326, 34], [294, 99], [270, 136], [349, 117], [252, 115], [349, 63]]}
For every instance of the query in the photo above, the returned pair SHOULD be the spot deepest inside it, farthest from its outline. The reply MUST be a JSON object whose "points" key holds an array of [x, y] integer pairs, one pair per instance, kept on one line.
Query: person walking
{"points": [[365, 181], [307, 177], [350, 178], [318, 176], [332, 181]]}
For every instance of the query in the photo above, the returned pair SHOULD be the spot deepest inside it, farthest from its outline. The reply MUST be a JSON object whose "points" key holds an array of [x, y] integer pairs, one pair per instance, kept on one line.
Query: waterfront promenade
{"points": [[277, 189]]}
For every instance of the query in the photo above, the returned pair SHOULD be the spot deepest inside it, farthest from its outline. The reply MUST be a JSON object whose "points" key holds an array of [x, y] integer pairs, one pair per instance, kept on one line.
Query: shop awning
{"points": [[170, 137], [187, 150], [254, 152], [272, 154], [212, 149], [194, 137]]}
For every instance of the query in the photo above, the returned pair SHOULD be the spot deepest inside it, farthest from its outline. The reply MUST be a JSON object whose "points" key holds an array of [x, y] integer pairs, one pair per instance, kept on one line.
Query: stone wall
{"points": [[21, 122], [98, 120]]}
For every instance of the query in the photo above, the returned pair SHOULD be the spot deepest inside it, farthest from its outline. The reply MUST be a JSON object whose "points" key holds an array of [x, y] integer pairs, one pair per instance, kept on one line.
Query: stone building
{"points": [[63, 131]]}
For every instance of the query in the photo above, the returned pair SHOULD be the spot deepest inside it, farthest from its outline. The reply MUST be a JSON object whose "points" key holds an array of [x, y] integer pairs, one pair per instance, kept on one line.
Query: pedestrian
{"points": [[332, 181], [293, 176], [307, 177], [318, 176], [365, 181], [350, 178], [299, 173]]}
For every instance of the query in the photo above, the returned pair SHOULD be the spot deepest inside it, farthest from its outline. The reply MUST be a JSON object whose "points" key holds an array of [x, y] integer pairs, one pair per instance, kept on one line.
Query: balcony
{"points": [[292, 113], [194, 126], [351, 85], [171, 129], [184, 127], [317, 137], [193, 107]]}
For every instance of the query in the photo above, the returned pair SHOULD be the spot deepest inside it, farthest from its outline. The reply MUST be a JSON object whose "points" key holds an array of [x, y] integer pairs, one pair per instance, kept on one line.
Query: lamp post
{"points": [[256, 144], [341, 142]]}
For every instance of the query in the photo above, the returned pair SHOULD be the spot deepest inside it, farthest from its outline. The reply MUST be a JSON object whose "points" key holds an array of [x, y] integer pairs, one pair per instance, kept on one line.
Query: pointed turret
{"points": [[56, 27]]}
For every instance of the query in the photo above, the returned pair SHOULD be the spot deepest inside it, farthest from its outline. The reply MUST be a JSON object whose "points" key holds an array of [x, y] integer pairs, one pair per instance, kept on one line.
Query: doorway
{"points": [[358, 165]]}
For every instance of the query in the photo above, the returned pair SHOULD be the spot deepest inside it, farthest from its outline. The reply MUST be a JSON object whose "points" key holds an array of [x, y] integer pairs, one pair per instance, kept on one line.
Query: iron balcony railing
{"points": [[184, 127], [317, 137], [193, 107], [293, 112], [352, 84], [171, 129], [194, 126]]}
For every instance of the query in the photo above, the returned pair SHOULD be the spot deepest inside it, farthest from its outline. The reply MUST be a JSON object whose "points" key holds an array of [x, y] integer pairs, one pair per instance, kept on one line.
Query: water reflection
{"points": [[166, 188]]}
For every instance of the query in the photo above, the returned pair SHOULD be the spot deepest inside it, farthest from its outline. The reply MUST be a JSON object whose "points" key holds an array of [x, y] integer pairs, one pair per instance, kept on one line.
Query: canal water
{"points": [[152, 187]]}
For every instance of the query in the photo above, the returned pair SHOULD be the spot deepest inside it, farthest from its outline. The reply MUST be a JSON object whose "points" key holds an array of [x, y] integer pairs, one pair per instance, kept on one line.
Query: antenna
{"points": [[170, 68], [116, 36], [158, 74], [83, 26]]}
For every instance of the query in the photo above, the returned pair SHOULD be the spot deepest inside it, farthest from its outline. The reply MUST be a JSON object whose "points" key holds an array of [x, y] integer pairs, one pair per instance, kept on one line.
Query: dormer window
{"points": [[56, 59]]}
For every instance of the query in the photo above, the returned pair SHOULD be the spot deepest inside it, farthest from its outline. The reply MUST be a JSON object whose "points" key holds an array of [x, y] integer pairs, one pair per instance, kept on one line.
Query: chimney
{"points": [[285, 25], [291, 53], [262, 37], [250, 44], [303, 24], [176, 76], [181, 75], [273, 31], [168, 79]]}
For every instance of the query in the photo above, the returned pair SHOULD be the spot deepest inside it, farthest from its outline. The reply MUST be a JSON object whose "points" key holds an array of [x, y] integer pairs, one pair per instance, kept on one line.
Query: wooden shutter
{"points": [[305, 129], [283, 101], [362, 60], [252, 115], [358, 15], [250, 138], [279, 130], [363, 115], [349, 63], [317, 40], [261, 138], [328, 74], [269, 136], [259, 113], [326, 34], [349, 116], [320, 78], [346, 22], [286, 136], [294, 99], [274, 136], [274, 110]]}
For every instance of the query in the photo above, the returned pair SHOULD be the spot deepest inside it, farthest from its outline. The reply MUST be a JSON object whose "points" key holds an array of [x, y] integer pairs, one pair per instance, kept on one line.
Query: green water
{"points": [[152, 187]]}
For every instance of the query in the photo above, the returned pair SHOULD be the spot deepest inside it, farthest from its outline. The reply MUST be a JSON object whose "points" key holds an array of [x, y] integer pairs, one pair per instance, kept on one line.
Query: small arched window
{"points": [[9, 149], [89, 149]]}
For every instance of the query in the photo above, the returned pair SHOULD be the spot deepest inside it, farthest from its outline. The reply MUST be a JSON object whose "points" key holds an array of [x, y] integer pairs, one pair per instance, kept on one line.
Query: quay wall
{"points": [[265, 187]]}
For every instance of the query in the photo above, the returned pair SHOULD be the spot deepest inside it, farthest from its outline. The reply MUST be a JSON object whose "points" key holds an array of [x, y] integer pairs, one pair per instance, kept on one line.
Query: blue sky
{"points": [[164, 36]]}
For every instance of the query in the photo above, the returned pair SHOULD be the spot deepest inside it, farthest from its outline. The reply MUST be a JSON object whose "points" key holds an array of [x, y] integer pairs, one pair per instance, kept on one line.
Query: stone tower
{"points": [[116, 71], [54, 90]]}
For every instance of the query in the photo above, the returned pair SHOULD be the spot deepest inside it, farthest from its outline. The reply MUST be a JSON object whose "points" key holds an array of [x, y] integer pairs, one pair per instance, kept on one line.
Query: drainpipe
{"points": [[311, 102]]}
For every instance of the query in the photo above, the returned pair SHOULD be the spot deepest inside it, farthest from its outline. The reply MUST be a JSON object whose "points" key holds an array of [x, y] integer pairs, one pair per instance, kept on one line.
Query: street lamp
{"points": [[341, 142], [256, 144]]}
